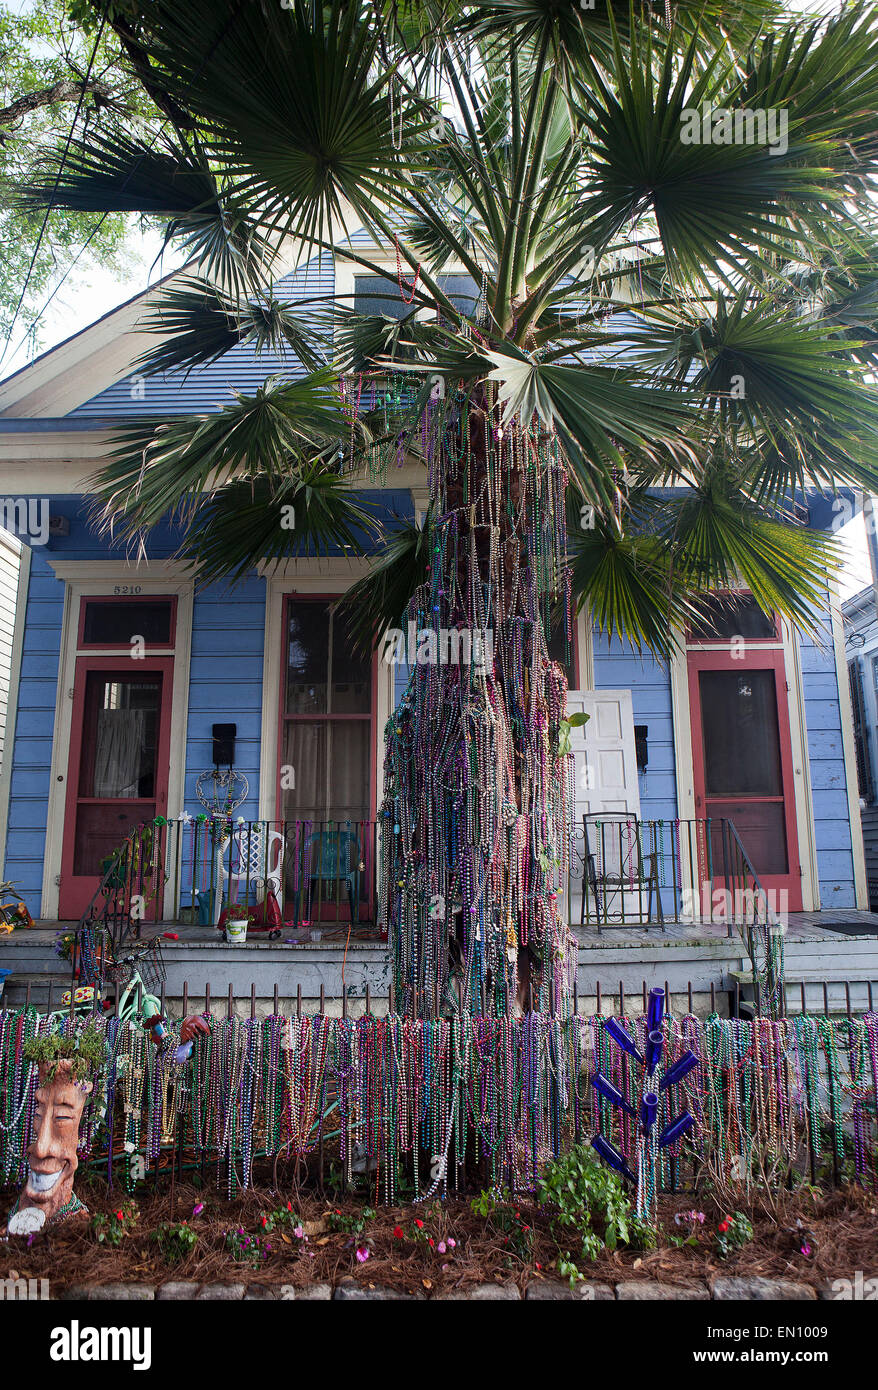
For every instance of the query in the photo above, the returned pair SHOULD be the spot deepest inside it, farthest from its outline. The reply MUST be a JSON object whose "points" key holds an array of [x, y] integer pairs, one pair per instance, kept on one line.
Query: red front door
{"points": [[117, 774], [742, 757]]}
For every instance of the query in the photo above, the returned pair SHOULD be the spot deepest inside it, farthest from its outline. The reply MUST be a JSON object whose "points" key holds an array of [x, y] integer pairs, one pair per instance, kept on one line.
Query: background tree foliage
{"points": [[45, 48]]}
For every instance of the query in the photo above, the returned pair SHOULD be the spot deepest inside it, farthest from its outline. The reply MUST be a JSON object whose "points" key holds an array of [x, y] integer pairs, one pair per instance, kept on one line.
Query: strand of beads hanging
{"points": [[477, 790], [493, 1089]]}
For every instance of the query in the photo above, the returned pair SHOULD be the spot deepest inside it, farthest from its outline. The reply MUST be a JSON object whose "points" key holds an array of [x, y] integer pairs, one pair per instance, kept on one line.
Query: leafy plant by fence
{"points": [[774, 1101]]}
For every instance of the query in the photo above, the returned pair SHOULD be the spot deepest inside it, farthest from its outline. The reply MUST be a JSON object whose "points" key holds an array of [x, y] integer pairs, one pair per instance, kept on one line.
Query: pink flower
{"points": [[198, 1209], [441, 1247], [299, 1232], [362, 1254], [806, 1250], [451, 1242]]}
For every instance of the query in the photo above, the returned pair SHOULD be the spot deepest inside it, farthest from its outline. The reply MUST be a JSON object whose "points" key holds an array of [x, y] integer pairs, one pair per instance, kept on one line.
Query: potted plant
{"points": [[238, 918]]}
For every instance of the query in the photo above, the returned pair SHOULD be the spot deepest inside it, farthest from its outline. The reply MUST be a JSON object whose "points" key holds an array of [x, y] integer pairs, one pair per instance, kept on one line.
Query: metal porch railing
{"points": [[188, 871]]}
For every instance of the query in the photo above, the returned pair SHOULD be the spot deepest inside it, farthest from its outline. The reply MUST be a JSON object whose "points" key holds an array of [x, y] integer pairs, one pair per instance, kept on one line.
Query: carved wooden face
{"points": [[52, 1157]]}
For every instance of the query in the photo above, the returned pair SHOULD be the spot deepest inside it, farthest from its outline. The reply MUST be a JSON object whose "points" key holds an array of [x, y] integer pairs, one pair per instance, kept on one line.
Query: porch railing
{"points": [[626, 872], [188, 871], [623, 872]]}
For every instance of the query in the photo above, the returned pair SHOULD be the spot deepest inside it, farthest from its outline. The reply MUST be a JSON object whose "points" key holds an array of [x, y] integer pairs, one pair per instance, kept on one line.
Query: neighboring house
{"points": [[861, 642], [751, 722]]}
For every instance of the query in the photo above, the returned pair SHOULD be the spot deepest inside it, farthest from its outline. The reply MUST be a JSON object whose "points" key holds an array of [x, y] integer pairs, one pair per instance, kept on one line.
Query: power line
{"points": [[66, 151]]}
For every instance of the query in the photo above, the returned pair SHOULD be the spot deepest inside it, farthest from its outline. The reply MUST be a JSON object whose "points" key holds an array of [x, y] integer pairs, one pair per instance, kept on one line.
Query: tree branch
{"points": [[49, 96]]}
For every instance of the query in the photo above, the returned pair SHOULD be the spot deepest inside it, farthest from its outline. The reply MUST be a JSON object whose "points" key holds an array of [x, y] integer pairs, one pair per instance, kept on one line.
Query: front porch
{"points": [[702, 968]]}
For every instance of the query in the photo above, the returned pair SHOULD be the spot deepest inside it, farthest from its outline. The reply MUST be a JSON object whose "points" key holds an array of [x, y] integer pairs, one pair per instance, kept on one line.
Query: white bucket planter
{"points": [[236, 930]]}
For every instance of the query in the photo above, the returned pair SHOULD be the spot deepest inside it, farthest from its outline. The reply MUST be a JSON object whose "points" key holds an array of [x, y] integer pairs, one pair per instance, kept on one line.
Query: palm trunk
{"points": [[474, 836]]}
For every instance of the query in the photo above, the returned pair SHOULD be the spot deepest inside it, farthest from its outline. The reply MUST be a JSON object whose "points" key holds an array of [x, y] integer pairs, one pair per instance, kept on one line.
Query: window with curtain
{"points": [[326, 744]]}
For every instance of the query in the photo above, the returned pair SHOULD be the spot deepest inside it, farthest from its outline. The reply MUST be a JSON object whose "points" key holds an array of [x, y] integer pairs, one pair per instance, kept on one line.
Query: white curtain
{"points": [[119, 752]]}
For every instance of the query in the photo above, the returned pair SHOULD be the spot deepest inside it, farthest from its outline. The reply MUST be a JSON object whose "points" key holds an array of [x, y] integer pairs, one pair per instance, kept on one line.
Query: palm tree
{"points": [[668, 339]]}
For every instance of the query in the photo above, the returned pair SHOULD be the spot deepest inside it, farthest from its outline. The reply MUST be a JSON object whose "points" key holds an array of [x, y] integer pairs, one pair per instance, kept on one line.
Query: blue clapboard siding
{"points": [[32, 751], [617, 666], [832, 829], [225, 682], [210, 387]]}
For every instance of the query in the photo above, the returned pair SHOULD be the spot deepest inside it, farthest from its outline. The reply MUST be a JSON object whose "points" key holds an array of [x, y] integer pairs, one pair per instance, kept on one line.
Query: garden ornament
{"points": [[52, 1157]]}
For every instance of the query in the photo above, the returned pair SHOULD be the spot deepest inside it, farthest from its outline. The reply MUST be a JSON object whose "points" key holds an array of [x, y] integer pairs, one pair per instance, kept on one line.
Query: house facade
{"points": [[117, 672]]}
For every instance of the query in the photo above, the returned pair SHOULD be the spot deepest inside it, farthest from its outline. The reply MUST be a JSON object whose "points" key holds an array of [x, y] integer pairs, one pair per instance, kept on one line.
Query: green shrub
{"points": [[587, 1199], [176, 1240], [733, 1233], [111, 1227]]}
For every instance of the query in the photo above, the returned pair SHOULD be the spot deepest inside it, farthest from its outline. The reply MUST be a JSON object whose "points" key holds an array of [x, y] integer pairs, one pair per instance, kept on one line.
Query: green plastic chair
{"points": [[333, 856]]}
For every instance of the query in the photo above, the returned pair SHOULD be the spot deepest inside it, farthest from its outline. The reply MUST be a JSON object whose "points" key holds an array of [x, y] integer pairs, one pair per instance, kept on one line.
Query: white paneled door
{"points": [[603, 750]]}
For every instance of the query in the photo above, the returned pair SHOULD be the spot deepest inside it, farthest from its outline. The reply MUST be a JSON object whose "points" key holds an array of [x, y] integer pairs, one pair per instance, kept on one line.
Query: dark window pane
{"points": [[375, 295], [119, 737], [114, 624], [741, 741], [727, 617], [307, 657], [462, 290], [351, 683]]}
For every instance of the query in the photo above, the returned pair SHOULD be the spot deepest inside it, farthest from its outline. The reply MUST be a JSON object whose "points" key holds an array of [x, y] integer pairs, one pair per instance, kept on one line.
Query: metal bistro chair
{"points": [[332, 856], [616, 865]]}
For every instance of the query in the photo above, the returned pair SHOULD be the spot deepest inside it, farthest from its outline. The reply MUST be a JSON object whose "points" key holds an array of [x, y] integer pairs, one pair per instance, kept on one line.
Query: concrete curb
{"points": [[541, 1290]]}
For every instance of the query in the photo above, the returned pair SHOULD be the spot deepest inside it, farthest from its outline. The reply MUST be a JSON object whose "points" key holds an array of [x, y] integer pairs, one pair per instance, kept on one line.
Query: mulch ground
{"points": [[840, 1228]]}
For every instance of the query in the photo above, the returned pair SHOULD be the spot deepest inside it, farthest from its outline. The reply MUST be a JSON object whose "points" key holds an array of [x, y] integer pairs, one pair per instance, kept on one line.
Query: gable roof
{"points": [[94, 373]]}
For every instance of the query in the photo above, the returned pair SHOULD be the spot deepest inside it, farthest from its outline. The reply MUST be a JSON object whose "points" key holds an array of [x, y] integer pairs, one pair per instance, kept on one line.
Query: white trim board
{"points": [[87, 577]]}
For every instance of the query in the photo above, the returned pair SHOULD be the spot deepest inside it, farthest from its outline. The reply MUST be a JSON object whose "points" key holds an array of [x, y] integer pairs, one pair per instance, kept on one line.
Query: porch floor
{"points": [[801, 926], [698, 963]]}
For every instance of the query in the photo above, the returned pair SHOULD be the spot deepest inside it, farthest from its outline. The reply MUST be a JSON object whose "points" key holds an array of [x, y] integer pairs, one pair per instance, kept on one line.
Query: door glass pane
{"points": [[741, 740], [328, 761], [120, 734], [761, 826], [325, 674]]}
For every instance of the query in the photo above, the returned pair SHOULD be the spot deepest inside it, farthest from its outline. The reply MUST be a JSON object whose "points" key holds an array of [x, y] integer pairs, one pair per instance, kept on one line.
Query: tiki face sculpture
{"points": [[52, 1157]]}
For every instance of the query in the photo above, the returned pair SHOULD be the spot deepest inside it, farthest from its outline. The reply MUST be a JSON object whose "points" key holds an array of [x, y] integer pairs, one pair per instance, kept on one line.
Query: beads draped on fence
{"points": [[766, 1095]]}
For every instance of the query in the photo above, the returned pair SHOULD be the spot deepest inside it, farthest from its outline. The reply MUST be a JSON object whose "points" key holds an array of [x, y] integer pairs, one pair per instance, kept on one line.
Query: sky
{"points": [[91, 291]]}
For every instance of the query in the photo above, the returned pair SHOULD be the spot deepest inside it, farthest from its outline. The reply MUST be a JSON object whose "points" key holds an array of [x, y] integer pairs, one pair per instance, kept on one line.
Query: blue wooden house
{"points": [[750, 725]]}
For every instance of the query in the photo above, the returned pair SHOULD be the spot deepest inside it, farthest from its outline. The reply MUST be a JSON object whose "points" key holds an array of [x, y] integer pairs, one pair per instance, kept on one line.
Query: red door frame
{"points": [[761, 656], [76, 891], [284, 718]]}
